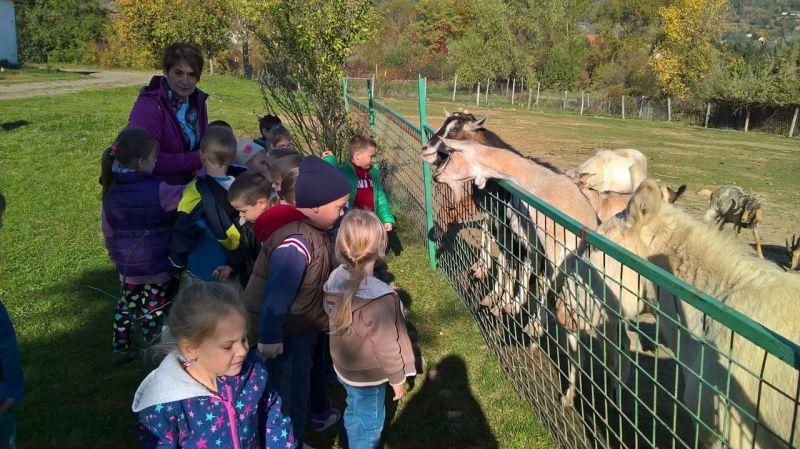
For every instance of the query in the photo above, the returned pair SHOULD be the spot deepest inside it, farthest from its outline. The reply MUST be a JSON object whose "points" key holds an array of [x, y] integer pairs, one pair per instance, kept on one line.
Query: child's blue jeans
{"points": [[364, 415]]}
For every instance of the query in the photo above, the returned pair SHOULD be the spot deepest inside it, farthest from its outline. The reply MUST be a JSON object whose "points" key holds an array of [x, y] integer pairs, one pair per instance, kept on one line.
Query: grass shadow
{"points": [[10, 126], [443, 412]]}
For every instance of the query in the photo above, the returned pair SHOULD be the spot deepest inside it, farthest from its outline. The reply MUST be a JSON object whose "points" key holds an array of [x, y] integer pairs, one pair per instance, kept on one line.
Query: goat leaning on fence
{"points": [[473, 161], [728, 390]]}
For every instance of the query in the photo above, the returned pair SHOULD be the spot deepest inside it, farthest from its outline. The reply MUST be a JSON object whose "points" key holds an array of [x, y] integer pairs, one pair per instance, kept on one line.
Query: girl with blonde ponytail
{"points": [[369, 342]]}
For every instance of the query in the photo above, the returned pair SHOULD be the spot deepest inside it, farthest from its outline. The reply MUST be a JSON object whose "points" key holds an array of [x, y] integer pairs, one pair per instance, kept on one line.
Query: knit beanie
{"points": [[246, 149], [319, 183]]}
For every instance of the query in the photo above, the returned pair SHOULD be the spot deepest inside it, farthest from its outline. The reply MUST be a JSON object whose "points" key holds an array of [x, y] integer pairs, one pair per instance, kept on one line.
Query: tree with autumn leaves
{"points": [[686, 54]]}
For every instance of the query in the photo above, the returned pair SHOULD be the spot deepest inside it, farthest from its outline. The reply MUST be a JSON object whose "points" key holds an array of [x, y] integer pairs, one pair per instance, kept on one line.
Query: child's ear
{"points": [[262, 203], [188, 349]]}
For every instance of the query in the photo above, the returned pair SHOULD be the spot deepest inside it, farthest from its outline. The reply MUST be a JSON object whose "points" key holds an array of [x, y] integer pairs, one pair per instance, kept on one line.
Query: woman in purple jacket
{"points": [[173, 110]]}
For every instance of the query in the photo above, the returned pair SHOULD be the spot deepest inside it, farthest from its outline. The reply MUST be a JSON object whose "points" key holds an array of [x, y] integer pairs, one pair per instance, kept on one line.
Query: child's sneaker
{"points": [[324, 421]]}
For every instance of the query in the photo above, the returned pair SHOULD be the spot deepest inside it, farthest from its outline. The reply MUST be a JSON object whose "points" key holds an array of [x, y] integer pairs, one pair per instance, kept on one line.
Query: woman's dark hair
{"points": [[188, 53], [130, 145]]}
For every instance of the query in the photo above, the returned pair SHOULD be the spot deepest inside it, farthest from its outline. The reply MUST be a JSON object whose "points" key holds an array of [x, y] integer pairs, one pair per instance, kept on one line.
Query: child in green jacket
{"points": [[366, 191]]}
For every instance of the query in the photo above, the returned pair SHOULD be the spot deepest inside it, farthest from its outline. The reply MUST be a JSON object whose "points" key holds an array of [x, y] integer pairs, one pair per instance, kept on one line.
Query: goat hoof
{"points": [[568, 399], [511, 309]]}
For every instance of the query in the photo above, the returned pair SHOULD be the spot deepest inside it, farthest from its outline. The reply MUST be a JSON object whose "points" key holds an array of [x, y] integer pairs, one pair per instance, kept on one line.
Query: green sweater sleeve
{"points": [[382, 208]]}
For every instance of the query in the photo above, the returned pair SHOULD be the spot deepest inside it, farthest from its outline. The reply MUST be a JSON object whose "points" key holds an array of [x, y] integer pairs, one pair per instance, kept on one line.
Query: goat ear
{"points": [[675, 194], [478, 124], [646, 201], [583, 177], [480, 182]]}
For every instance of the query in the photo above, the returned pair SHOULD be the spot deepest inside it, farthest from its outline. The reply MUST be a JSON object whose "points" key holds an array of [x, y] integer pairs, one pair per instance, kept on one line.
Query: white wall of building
{"points": [[8, 32]]}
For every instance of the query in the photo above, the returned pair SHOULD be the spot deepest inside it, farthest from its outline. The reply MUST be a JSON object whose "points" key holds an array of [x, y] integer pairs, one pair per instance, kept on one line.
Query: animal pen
{"points": [[592, 385]]}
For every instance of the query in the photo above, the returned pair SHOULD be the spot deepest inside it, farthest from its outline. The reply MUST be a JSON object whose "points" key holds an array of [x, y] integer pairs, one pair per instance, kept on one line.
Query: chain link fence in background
{"points": [[552, 301], [716, 114]]}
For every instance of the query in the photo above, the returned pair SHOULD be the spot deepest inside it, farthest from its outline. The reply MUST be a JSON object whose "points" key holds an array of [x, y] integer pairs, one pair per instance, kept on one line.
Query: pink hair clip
{"points": [[113, 151]]}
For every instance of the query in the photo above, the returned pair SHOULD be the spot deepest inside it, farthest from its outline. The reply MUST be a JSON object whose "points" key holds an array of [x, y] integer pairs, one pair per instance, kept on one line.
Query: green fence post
{"points": [[422, 90], [344, 93], [369, 103]]}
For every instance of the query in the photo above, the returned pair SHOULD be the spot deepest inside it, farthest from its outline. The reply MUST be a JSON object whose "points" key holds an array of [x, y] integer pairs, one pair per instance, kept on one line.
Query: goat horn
{"points": [[789, 248], [446, 114]]}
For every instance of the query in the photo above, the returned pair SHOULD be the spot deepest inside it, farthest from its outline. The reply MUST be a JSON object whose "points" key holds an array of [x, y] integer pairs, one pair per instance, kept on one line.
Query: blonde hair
{"points": [[361, 239], [287, 185], [196, 311], [219, 146]]}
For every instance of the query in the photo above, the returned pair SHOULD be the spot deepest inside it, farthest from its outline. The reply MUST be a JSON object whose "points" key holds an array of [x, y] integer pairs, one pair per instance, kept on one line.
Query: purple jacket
{"points": [[138, 229], [175, 411], [153, 113]]}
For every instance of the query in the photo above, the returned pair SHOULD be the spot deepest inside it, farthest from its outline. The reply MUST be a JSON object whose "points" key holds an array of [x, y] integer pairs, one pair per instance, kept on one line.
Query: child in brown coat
{"points": [[369, 343]]}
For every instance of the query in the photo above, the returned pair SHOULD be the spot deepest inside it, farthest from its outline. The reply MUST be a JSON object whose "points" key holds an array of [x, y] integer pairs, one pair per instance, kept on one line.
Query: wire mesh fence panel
{"points": [[401, 169], [608, 349]]}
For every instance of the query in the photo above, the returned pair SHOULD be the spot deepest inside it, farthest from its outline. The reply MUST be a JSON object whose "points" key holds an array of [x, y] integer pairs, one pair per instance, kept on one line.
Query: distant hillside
{"points": [[772, 20]]}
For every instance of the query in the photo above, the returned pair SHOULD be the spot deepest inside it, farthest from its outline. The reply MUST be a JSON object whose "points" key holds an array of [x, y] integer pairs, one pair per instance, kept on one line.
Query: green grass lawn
{"points": [[35, 75], [55, 279]]}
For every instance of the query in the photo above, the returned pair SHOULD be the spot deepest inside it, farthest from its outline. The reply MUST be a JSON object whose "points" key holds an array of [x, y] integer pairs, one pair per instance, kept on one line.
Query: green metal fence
{"points": [[595, 375]]}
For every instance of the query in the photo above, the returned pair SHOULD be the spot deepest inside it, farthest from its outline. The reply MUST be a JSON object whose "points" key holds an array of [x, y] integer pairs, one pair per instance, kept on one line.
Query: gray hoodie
{"points": [[167, 383]]}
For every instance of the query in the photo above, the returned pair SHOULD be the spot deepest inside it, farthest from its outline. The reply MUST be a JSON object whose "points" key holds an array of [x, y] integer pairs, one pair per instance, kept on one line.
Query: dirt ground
{"points": [[677, 154], [94, 80]]}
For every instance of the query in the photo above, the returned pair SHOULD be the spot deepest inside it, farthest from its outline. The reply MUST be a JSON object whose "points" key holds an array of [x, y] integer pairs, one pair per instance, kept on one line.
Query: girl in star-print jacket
{"points": [[177, 409]]}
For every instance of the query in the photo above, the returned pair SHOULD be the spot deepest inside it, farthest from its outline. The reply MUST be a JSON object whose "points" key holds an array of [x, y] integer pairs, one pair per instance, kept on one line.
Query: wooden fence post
{"points": [[455, 84], [708, 114], [513, 91], [794, 122], [669, 109]]}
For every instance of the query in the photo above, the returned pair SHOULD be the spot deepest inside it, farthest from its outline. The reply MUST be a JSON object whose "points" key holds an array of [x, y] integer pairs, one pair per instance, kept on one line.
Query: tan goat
{"points": [[713, 262]]}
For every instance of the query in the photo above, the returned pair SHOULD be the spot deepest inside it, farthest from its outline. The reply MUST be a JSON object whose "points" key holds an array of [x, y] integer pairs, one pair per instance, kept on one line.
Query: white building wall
{"points": [[8, 32]]}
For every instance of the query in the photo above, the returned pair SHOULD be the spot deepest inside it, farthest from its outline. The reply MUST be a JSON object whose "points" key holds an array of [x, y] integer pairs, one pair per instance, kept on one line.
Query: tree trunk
{"points": [[564, 105], [623, 107], [747, 120], [794, 122], [210, 65], [581, 102], [708, 114], [538, 86], [478, 95], [455, 84], [530, 95]]}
